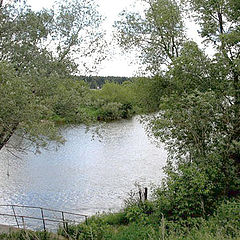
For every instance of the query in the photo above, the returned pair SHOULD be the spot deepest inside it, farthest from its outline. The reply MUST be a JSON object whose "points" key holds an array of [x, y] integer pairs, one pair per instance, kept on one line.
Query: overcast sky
{"points": [[120, 64]]}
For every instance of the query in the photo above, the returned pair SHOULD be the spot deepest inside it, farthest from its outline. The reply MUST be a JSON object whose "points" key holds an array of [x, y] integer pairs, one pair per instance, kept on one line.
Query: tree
{"points": [[199, 106], [219, 21], [58, 37], [79, 33], [157, 33], [22, 112], [39, 52]]}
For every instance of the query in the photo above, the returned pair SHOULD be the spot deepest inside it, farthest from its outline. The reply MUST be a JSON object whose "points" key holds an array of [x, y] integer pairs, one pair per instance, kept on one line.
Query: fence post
{"points": [[23, 222], [14, 213], [44, 226], [140, 196], [66, 226], [145, 194], [63, 219]]}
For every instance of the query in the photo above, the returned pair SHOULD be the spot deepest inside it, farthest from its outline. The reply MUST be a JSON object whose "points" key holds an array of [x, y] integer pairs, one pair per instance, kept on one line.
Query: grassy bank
{"points": [[30, 235], [142, 221], [145, 222]]}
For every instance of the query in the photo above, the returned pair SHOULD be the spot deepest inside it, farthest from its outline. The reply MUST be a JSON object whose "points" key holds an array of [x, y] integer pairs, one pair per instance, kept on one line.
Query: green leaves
{"points": [[158, 33], [191, 70], [50, 41], [78, 32], [39, 50], [23, 111]]}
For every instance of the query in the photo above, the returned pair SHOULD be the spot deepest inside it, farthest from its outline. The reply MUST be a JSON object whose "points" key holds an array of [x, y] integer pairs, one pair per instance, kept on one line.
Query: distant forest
{"points": [[96, 82]]}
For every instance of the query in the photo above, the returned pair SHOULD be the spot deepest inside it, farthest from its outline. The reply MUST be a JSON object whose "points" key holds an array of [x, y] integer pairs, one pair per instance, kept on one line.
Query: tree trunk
{"points": [[6, 135]]}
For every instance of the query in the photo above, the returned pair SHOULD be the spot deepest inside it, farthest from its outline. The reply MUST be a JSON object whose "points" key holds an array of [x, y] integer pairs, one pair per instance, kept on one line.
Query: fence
{"points": [[45, 219]]}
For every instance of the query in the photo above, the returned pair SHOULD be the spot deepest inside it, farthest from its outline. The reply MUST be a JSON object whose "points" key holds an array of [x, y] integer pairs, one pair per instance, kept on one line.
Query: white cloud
{"points": [[37, 5]]}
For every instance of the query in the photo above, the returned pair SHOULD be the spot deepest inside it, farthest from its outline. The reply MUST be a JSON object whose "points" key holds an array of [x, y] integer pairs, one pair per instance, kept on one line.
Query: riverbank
{"points": [[113, 101], [143, 222], [7, 229]]}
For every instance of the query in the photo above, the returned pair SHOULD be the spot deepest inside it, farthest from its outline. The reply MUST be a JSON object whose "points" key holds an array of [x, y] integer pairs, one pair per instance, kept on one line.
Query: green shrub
{"points": [[110, 111], [185, 193], [136, 231], [115, 218], [96, 228], [227, 217]]}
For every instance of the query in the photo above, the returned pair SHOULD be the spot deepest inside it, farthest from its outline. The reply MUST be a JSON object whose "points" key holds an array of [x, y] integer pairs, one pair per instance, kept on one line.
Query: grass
{"points": [[30, 235], [116, 227], [224, 224], [134, 223]]}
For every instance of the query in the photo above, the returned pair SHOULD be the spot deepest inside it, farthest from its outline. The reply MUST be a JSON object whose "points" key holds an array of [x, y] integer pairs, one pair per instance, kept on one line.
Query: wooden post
{"points": [[64, 225], [145, 194], [140, 196]]}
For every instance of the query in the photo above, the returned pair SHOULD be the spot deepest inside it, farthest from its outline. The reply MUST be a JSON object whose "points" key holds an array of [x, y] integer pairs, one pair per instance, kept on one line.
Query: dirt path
{"points": [[7, 229]]}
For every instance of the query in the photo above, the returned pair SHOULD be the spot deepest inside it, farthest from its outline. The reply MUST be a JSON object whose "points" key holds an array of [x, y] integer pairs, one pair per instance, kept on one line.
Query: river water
{"points": [[85, 175]]}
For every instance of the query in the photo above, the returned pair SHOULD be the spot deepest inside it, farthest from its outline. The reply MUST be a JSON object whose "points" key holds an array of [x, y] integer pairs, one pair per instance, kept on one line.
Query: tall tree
{"points": [[199, 109], [219, 21], [37, 51], [157, 33]]}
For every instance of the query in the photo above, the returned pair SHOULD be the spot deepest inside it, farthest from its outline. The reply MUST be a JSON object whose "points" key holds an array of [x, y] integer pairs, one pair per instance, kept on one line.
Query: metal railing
{"points": [[62, 219]]}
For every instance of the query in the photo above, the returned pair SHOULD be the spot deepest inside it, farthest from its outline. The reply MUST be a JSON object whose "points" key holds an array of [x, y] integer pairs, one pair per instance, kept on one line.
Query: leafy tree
{"points": [[157, 33], [40, 49], [199, 106], [78, 32], [69, 96], [58, 37], [147, 93], [219, 21], [22, 112]]}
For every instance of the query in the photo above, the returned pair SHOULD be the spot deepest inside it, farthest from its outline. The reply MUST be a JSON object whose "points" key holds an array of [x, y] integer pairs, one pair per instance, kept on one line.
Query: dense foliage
{"points": [[96, 82], [199, 105], [38, 52], [137, 222]]}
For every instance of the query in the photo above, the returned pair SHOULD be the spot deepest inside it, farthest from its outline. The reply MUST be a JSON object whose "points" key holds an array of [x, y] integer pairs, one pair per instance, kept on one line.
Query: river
{"points": [[86, 174]]}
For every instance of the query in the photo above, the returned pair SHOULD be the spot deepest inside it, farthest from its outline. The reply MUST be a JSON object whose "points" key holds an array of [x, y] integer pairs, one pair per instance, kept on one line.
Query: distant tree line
{"points": [[96, 82]]}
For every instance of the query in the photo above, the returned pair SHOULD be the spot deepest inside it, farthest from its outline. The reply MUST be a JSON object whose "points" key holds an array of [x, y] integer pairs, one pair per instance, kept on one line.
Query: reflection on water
{"points": [[84, 175]]}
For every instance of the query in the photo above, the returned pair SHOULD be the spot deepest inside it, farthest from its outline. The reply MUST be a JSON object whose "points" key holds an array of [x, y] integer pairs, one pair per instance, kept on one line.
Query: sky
{"points": [[120, 62]]}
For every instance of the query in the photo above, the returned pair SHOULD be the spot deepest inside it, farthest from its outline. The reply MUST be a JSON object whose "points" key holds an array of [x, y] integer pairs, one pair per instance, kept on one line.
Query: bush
{"points": [[110, 111], [185, 193], [227, 217], [96, 228]]}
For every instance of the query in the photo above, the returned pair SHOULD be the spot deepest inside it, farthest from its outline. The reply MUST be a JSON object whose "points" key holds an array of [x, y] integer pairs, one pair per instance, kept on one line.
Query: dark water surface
{"points": [[84, 175]]}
